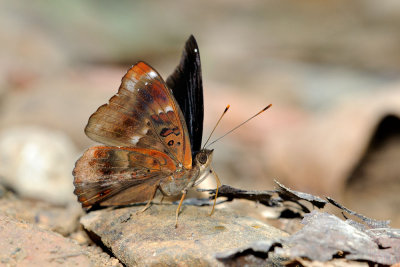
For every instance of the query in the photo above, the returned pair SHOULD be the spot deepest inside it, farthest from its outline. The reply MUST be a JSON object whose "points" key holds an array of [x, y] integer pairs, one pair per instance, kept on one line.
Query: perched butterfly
{"points": [[152, 134]]}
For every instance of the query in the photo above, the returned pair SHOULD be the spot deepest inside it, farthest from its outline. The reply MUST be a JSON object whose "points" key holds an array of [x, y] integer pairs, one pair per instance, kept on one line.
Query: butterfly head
{"points": [[203, 158], [203, 161]]}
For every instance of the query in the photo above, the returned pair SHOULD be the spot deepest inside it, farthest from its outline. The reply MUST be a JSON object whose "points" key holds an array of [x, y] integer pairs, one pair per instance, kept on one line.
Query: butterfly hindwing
{"points": [[118, 176], [143, 114], [187, 86]]}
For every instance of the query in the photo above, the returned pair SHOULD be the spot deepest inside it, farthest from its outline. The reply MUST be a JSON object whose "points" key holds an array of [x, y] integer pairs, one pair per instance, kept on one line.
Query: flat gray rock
{"points": [[150, 238]]}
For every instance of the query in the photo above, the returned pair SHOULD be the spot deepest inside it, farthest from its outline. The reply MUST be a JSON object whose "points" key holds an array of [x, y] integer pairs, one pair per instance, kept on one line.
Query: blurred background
{"points": [[331, 69]]}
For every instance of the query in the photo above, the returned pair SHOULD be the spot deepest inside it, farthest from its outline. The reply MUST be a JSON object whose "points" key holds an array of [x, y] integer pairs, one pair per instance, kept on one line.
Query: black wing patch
{"points": [[187, 87]]}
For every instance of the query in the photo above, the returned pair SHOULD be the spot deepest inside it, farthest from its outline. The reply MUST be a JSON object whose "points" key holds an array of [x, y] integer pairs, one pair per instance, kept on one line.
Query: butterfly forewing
{"points": [[187, 86], [143, 114], [118, 176]]}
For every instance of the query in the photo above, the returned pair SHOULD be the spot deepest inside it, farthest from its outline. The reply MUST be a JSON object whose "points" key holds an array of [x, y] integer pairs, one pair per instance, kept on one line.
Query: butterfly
{"points": [[152, 132]]}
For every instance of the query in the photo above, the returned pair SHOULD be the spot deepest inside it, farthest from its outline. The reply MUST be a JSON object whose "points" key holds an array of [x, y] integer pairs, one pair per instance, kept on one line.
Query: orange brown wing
{"points": [[143, 114], [118, 176]]}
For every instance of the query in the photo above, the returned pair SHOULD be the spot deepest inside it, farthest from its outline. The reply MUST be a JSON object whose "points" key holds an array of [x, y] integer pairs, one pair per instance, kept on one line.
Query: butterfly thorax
{"points": [[178, 181]]}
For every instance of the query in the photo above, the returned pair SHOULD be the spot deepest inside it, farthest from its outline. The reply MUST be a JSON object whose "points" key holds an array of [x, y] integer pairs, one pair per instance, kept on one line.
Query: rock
{"points": [[81, 237], [23, 244], [60, 219], [37, 163], [150, 238]]}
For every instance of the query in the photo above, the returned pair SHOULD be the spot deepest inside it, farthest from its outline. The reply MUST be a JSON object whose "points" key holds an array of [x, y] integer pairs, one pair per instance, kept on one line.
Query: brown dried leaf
{"points": [[370, 222], [323, 238], [291, 195]]}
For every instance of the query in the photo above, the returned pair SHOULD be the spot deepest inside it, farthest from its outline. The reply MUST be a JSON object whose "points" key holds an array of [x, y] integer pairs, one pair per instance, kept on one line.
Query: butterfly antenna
{"points": [[264, 109], [208, 139]]}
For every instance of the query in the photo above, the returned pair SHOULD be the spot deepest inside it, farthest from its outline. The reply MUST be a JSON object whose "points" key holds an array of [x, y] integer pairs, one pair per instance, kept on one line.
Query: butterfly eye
{"points": [[202, 158]]}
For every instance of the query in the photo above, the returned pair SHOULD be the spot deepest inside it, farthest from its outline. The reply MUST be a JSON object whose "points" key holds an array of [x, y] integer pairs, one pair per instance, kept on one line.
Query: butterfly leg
{"points": [[216, 191], [179, 208], [148, 203], [184, 191]]}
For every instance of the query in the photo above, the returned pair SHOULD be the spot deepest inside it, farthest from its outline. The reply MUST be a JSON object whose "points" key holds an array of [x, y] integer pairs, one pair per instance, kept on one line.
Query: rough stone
{"points": [[150, 238], [60, 219], [23, 244]]}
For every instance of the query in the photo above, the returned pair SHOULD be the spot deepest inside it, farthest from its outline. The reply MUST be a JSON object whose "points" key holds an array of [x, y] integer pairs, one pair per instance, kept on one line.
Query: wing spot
{"points": [[168, 109], [152, 74], [171, 142], [165, 132], [135, 139]]}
